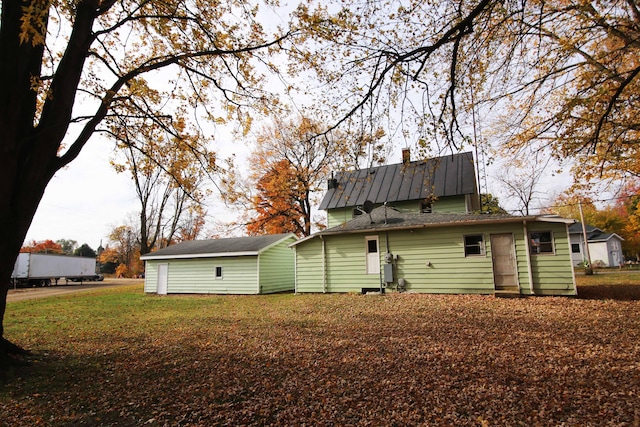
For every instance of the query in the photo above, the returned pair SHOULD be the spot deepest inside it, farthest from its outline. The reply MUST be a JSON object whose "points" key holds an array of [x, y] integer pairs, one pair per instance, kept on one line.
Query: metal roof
{"points": [[232, 246], [450, 175]]}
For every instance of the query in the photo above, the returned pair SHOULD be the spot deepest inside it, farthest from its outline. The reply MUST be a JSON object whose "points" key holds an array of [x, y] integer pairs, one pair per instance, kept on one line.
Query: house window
{"points": [[614, 245], [575, 248], [474, 245], [541, 242], [218, 272]]}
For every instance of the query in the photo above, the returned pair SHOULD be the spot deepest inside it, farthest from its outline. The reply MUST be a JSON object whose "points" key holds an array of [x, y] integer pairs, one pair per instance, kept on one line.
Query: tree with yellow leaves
{"points": [[290, 163], [70, 69], [561, 74]]}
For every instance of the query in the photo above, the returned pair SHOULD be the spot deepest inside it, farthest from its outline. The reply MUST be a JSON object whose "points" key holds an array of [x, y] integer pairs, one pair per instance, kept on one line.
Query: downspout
{"points": [[526, 244], [588, 270], [295, 270], [324, 266], [386, 238]]}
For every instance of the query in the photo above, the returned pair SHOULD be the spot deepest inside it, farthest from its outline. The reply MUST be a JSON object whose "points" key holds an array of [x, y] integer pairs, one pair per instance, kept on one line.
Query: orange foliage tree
{"points": [[288, 167], [42, 246], [621, 217], [628, 208], [278, 204], [125, 251]]}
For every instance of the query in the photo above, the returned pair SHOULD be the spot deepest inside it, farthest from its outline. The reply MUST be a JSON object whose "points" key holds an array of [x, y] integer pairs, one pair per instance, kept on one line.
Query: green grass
{"points": [[616, 284], [118, 357]]}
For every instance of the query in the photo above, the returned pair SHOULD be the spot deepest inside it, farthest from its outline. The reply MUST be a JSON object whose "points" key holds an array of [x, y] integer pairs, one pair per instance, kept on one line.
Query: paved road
{"points": [[21, 294]]}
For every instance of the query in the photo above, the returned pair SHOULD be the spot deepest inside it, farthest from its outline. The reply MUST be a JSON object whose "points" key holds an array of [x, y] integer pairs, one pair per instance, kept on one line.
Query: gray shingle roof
{"points": [[577, 228], [382, 218], [594, 234], [451, 175], [248, 245], [387, 218]]}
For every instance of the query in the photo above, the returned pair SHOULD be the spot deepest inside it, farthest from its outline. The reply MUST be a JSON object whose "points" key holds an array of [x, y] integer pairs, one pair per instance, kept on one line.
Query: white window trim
{"points": [[215, 272], [553, 243], [483, 246]]}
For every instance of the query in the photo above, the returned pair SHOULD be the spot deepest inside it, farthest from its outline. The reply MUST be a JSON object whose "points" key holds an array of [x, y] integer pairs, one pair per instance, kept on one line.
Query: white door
{"points": [[505, 269], [373, 256], [163, 270]]}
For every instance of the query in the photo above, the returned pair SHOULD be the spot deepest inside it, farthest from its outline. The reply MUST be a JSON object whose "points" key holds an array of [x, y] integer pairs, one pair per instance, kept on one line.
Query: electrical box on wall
{"points": [[388, 273]]}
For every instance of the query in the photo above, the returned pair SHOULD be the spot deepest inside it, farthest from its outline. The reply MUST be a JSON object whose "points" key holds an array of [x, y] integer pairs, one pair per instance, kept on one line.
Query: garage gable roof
{"points": [[226, 247]]}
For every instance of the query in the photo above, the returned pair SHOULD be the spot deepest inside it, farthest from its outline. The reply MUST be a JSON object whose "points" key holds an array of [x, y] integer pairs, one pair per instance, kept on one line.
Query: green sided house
{"points": [[238, 265], [410, 227]]}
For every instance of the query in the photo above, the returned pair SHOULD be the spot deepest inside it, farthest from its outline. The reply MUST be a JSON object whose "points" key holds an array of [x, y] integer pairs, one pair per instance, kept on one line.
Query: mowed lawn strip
{"points": [[118, 357]]}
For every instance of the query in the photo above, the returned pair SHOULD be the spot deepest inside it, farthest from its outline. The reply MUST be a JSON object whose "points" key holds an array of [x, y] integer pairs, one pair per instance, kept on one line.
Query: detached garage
{"points": [[238, 265]]}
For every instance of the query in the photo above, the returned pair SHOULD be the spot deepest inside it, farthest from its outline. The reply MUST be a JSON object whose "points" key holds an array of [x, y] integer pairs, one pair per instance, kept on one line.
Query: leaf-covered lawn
{"points": [[122, 358]]}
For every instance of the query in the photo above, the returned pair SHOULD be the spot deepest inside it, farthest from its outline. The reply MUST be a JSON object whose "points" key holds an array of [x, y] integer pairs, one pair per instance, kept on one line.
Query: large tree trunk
{"points": [[16, 216], [21, 186], [30, 138]]}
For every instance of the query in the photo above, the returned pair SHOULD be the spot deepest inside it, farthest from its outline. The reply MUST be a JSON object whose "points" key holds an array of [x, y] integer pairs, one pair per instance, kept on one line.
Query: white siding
{"points": [[239, 275]]}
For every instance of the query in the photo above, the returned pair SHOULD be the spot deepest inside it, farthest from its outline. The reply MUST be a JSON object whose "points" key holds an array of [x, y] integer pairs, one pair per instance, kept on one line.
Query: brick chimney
{"points": [[406, 156]]}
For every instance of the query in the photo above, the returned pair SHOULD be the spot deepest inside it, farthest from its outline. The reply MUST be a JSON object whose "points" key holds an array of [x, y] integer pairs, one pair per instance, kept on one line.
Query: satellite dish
{"points": [[368, 206]]}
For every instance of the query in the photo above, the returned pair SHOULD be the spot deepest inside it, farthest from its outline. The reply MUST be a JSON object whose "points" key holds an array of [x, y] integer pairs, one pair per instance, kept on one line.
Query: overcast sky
{"points": [[84, 201]]}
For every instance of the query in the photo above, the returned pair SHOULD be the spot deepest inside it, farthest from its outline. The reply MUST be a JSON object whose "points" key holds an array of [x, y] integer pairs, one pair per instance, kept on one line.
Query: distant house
{"points": [[239, 265], [410, 227], [605, 249]]}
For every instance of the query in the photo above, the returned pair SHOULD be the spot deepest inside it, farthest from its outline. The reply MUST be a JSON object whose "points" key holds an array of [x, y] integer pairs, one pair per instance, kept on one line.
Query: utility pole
{"points": [[588, 270]]}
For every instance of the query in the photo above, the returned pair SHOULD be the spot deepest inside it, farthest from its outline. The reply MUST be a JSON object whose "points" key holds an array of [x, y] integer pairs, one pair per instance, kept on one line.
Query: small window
{"points": [[541, 242], [218, 272], [575, 248], [614, 245], [474, 245]]}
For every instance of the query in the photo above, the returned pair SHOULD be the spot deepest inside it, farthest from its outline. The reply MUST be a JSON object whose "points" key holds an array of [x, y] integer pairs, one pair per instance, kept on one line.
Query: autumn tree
{"points": [[42, 247], [67, 66], [490, 204], [289, 165], [125, 251], [619, 216], [562, 74], [167, 177], [627, 206], [68, 246], [280, 202], [109, 260]]}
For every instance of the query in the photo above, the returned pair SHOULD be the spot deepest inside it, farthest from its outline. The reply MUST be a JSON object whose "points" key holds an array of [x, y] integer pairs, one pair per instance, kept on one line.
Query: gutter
{"points": [[205, 255]]}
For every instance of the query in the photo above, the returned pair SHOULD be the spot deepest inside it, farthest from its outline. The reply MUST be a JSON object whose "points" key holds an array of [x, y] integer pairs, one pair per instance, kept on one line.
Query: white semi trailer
{"points": [[43, 269]]}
